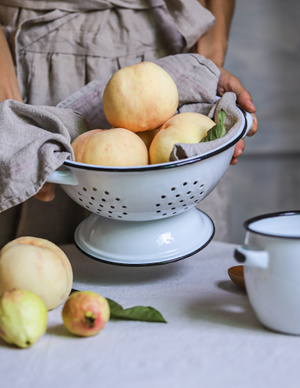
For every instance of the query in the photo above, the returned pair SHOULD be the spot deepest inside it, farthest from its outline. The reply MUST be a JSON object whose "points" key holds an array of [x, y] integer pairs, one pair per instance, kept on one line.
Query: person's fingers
{"points": [[47, 192], [244, 98], [229, 83], [237, 152]]}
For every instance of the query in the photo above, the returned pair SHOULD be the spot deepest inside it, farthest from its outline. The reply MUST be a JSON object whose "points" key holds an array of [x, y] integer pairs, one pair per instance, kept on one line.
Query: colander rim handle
{"points": [[62, 177]]}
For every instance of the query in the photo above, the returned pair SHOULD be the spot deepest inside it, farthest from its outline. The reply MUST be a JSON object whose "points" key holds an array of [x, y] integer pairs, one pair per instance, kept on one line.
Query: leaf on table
{"points": [[218, 130], [136, 313]]}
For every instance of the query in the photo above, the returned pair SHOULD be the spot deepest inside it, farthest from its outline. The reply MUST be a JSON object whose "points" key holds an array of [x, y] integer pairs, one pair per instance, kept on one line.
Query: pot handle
{"points": [[62, 178], [252, 257]]}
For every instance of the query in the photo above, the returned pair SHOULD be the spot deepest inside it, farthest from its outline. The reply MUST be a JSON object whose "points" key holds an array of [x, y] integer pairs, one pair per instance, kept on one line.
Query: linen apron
{"points": [[60, 46]]}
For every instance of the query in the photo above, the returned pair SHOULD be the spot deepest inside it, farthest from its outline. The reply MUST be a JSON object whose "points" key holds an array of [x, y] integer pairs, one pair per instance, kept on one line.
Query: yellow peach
{"points": [[36, 265], [188, 127], [140, 97], [112, 147]]}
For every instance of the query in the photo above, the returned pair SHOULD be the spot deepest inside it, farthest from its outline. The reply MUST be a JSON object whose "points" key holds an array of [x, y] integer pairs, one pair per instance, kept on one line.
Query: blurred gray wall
{"points": [[264, 53]]}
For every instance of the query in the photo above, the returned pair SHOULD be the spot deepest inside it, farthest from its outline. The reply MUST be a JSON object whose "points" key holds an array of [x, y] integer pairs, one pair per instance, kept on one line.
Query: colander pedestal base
{"points": [[137, 243]]}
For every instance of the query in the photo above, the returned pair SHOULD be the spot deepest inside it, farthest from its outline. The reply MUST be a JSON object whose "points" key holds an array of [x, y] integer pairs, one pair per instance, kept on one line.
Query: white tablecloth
{"points": [[212, 338]]}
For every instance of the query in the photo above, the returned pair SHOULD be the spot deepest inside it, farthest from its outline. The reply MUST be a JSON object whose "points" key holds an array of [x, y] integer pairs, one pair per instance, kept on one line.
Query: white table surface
{"points": [[212, 338]]}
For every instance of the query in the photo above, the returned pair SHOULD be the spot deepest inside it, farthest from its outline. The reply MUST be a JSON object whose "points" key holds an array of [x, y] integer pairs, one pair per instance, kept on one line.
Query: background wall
{"points": [[264, 53]]}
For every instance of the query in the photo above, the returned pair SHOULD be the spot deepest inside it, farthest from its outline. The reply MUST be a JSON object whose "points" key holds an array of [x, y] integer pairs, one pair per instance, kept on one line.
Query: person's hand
{"points": [[230, 83], [47, 192]]}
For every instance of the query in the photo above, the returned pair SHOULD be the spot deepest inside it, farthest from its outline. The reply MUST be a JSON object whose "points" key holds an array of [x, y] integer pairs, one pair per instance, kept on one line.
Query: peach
{"points": [[37, 265], [140, 97], [188, 127], [112, 147], [85, 313]]}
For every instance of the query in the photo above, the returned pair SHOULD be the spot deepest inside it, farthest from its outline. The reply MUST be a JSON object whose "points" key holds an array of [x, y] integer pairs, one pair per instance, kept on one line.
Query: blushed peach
{"points": [[36, 265], [112, 147], [188, 127], [140, 97]]}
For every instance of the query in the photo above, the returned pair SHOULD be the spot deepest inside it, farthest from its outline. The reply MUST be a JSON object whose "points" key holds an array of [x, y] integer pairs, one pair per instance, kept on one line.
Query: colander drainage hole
{"points": [[163, 197]]}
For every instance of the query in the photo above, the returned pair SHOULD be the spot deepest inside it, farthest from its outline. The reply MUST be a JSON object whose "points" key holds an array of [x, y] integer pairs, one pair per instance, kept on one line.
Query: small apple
{"points": [[140, 97], [85, 313], [23, 317], [37, 265], [111, 147], [188, 127]]}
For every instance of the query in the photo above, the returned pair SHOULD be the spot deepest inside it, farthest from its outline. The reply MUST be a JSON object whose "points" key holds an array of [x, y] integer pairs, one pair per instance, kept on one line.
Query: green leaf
{"points": [[136, 313], [218, 130]]}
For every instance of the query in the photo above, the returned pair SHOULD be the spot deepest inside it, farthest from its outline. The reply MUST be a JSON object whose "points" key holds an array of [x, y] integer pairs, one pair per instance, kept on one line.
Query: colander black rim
{"points": [[162, 166]]}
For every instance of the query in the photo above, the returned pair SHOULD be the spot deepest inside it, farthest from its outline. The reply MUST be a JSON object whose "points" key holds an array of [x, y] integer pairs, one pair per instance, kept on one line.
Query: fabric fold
{"points": [[232, 124], [35, 141]]}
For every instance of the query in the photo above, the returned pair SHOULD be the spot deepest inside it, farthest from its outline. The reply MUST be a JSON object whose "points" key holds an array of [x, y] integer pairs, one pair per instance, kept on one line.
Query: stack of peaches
{"points": [[140, 102]]}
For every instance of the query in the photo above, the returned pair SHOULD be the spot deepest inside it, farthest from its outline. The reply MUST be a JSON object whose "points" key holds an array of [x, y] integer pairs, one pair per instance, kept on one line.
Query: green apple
{"points": [[23, 317]]}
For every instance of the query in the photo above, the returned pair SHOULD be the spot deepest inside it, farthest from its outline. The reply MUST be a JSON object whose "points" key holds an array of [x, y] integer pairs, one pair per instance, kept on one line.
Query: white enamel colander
{"points": [[146, 215]]}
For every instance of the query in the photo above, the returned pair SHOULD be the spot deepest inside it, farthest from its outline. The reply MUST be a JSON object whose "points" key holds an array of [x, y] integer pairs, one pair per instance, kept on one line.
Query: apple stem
{"points": [[89, 319]]}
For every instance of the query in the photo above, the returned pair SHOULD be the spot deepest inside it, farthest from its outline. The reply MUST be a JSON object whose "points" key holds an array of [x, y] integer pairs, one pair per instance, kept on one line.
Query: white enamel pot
{"points": [[271, 259]]}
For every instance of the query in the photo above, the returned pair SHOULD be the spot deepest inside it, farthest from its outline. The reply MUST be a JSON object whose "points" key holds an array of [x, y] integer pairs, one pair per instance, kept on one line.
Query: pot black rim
{"points": [[286, 213]]}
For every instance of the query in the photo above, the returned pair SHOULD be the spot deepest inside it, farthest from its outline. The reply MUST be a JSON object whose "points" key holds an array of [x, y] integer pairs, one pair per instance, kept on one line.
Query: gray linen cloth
{"points": [[36, 140]]}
